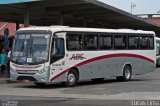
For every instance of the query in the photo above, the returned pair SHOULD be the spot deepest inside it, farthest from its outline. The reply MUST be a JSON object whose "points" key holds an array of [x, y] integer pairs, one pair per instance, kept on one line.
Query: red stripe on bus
{"points": [[104, 57]]}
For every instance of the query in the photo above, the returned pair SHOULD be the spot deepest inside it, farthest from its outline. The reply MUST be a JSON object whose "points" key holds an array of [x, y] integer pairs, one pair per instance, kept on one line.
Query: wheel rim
{"points": [[127, 73], [71, 79]]}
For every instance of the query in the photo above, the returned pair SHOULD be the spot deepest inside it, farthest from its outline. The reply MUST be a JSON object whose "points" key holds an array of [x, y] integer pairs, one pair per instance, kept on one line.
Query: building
{"points": [[10, 26], [76, 13], [154, 18]]}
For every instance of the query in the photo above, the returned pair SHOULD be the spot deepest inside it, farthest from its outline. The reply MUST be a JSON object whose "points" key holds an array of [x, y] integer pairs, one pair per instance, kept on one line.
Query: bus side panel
{"points": [[103, 64], [114, 67], [61, 78]]}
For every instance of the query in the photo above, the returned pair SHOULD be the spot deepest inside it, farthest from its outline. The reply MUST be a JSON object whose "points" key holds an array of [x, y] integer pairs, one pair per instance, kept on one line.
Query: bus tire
{"points": [[127, 74], [72, 78]]}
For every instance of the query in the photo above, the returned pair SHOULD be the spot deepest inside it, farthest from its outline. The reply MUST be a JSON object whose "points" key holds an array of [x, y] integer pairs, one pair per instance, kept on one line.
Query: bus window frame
{"points": [[54, 37], [113, 39]]}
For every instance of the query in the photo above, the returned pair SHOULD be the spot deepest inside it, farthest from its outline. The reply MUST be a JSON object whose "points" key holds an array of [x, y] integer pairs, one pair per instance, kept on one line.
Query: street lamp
{"points": [[133, 5]]}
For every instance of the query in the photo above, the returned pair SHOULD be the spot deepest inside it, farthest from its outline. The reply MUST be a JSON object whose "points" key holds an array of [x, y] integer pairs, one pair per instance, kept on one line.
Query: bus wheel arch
{"points": [[126, 73], [72, 77]]}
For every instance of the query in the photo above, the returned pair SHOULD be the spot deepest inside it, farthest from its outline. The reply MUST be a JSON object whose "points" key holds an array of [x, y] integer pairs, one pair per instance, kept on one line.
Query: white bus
{"points": [[68, 54]]}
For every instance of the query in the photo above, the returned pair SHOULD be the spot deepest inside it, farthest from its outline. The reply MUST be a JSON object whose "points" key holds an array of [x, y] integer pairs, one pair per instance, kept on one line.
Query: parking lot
{"points": [[141, 87]]}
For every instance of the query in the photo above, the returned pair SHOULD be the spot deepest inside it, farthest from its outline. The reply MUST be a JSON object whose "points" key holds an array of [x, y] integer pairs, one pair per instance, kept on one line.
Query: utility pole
{"points": [[133, 5]]}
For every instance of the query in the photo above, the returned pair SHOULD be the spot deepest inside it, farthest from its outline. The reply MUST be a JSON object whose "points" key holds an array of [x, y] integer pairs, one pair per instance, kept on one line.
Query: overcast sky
{"points": [[142, 6]]}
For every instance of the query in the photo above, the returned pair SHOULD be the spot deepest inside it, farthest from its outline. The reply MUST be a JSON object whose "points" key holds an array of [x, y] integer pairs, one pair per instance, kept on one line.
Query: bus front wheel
{"points": [[127, 73], [72, 78]]}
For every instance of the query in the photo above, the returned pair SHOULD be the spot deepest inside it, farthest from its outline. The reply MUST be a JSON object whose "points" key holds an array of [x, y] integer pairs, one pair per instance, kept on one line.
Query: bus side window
{"points": [[151, 42], [59, 46], [133, 42], [144, 42], [74, 42], [58, 50], [120, 42], [90, 41], [105, 42]]}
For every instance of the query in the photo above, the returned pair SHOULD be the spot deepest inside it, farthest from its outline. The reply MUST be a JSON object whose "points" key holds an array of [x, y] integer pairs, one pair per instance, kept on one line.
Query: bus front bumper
{"points": [[43, 77]]}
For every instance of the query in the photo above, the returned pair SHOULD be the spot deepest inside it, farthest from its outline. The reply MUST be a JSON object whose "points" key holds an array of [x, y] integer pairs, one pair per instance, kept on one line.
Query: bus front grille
{"points": [[30, 72], [30, 78]]}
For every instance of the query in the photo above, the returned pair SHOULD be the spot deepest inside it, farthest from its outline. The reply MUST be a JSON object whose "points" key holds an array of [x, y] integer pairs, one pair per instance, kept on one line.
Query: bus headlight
{"points": [[43, 70]]}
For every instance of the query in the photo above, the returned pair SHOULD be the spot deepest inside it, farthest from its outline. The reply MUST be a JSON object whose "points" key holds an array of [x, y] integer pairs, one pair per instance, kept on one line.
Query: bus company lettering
{"points": [[77, 57], [59, 64]]}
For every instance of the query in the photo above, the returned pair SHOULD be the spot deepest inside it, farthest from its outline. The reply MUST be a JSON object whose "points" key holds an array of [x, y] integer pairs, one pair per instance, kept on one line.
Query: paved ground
{"points": [[105, 93]]}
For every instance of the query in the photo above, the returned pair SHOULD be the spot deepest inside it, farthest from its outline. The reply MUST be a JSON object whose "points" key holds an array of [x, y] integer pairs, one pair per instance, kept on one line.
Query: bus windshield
{"points": [[30, 48]]}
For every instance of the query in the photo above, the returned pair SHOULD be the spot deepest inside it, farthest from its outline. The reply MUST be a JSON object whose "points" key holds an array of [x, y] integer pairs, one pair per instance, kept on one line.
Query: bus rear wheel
{"points": [[127, 74], [72, 78]]}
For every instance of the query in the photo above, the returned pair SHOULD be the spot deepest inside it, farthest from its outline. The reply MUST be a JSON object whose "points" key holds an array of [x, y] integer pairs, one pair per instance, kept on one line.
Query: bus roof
{"points": [[75, 29]]}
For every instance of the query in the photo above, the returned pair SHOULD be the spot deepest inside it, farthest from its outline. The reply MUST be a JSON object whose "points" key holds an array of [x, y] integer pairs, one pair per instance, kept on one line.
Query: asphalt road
{"points": [[142, 90]]}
